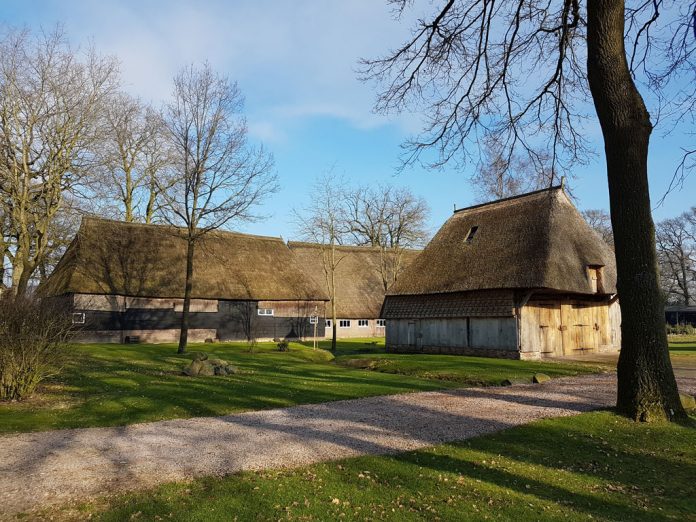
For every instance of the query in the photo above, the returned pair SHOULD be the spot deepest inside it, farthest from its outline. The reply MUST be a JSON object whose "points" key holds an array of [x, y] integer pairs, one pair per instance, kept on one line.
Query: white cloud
{"points": [[292, 59]]}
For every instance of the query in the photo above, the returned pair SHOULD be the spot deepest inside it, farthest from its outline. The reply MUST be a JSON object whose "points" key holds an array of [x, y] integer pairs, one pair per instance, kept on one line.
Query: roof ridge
{"points": [[165, 225], [510, 198], [366, 248]]}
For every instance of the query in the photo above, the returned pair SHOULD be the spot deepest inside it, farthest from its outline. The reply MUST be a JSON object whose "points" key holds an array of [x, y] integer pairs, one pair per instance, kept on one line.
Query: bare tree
{"points": [[600, 221], [676, 249], [324, 222], [500, 173], [50, 101], [219, 177], [526, 71], [135, 157], [390, 218]]}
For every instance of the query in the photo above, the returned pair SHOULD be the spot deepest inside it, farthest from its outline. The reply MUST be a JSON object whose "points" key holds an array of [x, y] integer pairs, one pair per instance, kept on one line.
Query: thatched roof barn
{"points": [[117, 267], [487, 267], [362, 273], [132, 259]]}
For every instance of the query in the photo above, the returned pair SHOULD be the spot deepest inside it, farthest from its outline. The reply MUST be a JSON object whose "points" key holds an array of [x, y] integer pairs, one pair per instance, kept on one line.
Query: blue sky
{"points": [[295, 62]]}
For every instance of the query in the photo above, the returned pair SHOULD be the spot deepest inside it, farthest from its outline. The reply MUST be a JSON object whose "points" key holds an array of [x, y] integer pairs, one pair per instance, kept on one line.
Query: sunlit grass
{"points": [[596, 466], [111, 384]]}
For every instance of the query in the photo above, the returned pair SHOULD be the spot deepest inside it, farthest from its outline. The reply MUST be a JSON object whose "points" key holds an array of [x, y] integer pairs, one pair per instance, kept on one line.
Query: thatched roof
{"points": [[533, 241], [359, 277], [112, 257]]}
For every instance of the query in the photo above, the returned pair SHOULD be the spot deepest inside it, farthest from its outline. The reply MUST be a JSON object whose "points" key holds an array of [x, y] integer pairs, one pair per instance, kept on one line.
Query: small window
{"points": [[344, 323], [471, 234], [381, 323], [363, 323], [595, 275], [328, 323], [265, 311], [78, 318]]}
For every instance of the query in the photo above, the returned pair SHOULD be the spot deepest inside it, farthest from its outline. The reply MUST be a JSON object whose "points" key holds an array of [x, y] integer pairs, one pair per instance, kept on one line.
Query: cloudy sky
{"points": [[295, 62]]}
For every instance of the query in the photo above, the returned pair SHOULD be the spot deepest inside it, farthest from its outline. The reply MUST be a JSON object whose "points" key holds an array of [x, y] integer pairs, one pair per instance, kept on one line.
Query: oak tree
{"points": [[528, 73]]}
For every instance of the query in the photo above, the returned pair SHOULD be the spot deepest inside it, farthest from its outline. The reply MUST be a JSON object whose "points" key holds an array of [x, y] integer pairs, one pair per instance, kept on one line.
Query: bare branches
{"points": [[50, 104], [481, 69], [220, 178]]}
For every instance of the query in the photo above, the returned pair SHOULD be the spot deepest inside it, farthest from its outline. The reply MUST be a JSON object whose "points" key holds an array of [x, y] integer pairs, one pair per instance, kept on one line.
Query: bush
{"points": [[33, 335], [283, 345], [681, 329]]}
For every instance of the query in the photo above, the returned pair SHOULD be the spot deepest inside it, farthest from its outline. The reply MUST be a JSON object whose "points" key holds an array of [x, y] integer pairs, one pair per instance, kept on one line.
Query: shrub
{"points": [[283, 345], [33, 335], [680, 329]]}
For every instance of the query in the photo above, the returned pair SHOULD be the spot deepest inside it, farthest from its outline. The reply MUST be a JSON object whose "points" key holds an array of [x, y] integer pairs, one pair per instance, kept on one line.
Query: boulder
{"points": [[540, 377], [207, 369], [688, 401], [194, 368]]}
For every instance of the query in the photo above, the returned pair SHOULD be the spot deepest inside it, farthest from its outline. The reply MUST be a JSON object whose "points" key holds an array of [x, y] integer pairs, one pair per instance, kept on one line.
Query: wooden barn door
{"points": [[580, 332], [550, 335]]}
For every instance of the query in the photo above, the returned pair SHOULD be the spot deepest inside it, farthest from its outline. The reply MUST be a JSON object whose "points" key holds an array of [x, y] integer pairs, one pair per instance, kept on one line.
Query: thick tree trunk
{"points": [[647, 388], [183, 336]]}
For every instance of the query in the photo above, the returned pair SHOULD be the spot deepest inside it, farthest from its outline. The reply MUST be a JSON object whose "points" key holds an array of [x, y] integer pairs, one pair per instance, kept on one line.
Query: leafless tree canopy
{"points": [[135, 159], [500, 174], [600, 221], [515, 73], [51, 98], [219, 176], [676, 249]]}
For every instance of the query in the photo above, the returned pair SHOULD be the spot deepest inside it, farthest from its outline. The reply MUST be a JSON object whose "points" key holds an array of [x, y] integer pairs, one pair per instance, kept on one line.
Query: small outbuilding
{"points": [[362, 274], [523, 278], [125, 282]]}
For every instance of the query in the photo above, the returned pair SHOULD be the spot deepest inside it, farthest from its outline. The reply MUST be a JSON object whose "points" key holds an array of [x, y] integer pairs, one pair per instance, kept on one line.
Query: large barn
{"points": [[523, 277], [361, 274], [125, 282]]}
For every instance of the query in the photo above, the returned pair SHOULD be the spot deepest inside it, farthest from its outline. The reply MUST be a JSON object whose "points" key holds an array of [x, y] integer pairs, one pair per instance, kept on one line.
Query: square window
{"points": [[265, 311], [381, 323], [344, 323], [78, 318], [363, 323]]}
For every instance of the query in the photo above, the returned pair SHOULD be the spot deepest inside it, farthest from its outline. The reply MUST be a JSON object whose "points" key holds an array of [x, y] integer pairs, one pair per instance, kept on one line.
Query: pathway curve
{"points": [[45, 468]]}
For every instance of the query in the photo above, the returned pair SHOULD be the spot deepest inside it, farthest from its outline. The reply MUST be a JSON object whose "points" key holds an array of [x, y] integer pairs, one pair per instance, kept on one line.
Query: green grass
{"points": [[464, 371], [108, 384], [682, 344], [596, 466]]}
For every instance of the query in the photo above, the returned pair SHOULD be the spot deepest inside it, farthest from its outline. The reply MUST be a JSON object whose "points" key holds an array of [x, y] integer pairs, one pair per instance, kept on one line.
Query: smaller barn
{"points": [[125, 281], [524, 277], [362, 273]]}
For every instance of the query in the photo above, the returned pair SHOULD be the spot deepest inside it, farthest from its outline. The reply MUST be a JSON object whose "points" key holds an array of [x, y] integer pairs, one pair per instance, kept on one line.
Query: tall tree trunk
{"points": [[183, 336], [647, 388]]}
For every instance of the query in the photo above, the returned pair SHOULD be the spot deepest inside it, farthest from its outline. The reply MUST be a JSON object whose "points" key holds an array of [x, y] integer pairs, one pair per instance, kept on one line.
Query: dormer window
{"points": [[594, 272], [471, 234]]}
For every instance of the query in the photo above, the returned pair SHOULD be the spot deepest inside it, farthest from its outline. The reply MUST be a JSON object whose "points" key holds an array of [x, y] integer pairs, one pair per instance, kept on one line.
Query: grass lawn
{"points": [[107, 384], [594, 466], [464, 371], [682, 344]]}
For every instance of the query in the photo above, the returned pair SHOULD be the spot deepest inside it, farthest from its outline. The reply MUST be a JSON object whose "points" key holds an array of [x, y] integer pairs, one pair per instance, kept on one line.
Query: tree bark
{"points": [[333, 298], [183, 335], [647, 389]]}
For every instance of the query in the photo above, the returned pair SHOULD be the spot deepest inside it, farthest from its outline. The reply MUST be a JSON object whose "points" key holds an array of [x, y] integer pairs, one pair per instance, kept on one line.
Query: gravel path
{"points": [[40, 469]]}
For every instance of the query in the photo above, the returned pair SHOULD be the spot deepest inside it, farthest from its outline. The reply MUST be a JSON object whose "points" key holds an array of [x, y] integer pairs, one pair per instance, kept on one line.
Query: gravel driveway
{"points": [[40, 469]]}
